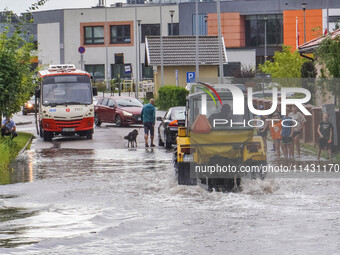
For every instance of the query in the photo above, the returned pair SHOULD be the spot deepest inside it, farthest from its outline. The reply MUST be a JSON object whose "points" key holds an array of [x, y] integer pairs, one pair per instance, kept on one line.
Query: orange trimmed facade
{"points": [[233, 27], [313, 26]]}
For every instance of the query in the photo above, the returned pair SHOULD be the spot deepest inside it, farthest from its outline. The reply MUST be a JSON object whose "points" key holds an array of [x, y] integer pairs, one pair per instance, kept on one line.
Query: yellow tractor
{"points": [[213, 144]]}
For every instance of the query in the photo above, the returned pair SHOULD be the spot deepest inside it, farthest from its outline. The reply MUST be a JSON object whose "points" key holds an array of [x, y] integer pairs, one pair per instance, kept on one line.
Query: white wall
{"points": [[332, 12], [48, 43], [97, 55], [247, 57]]}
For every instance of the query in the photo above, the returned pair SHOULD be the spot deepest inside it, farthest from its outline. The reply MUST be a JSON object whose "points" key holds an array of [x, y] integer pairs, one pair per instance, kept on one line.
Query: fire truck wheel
{"points": [[47, 136], [89, 135]]}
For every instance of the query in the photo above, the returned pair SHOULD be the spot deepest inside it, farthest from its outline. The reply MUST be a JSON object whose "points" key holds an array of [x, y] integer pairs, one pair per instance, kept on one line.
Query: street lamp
{"points": [[139, 32], [205, 22], [265, 38], [172, 12], [304, 6]]}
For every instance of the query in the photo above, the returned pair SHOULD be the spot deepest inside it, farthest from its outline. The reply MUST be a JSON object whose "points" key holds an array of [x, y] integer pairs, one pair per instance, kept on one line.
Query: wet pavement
{"points": [[75, 196]]}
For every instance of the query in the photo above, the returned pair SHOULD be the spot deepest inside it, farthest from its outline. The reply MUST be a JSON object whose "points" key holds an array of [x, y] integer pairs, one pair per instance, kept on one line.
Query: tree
{"points": [[17, 79], [328, 55], [308, 75], [286, 64]]}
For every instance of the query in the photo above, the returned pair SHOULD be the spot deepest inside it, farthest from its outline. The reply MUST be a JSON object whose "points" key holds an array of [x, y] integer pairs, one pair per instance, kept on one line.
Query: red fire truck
{"points": [[65, 102]]}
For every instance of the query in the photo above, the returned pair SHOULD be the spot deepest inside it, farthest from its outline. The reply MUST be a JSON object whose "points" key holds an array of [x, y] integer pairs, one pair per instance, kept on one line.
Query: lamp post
{"points": [[139, 58], [197, 74], [220, 42], [205, 23], [161, 41], [265, 38], [172, 12], [136, 42], [304, 6], [107, 67]]}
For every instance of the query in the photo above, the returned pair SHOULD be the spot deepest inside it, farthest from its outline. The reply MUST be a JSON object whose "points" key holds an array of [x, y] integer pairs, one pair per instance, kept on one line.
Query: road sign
{"points": [[81, 49], [127, 68], [190, 77]]}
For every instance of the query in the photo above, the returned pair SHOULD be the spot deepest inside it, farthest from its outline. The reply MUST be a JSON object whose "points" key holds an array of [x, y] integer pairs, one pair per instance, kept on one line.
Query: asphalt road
{"points": [[107, 136]]}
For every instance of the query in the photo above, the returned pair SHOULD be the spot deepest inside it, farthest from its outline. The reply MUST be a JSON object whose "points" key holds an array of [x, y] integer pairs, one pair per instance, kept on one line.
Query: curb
{"points": [[26, 145], [23, 123]]}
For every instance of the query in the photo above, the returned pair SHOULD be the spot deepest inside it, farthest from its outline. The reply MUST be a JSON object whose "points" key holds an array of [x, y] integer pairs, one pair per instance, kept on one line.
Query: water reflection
{"points": [[10, 233], [20, 170]]}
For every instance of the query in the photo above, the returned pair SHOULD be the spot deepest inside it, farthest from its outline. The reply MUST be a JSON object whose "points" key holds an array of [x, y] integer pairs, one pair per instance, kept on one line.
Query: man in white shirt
{"points": [[300, 120]]}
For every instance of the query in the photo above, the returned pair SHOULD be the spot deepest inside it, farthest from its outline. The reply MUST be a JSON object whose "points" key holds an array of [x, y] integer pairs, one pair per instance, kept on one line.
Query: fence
{"points": [[310, 134]]}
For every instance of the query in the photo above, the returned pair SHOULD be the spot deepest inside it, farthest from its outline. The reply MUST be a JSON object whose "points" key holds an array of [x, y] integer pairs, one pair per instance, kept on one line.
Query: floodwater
{"points": [[120, 201]]}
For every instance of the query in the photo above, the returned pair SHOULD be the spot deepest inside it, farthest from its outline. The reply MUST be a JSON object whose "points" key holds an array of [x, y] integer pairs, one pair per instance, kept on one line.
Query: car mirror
{"points": [[159, 119], [95, 91]]}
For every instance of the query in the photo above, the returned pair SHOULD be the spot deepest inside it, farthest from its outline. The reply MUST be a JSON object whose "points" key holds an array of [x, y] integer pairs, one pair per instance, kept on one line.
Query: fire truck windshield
{"points": [[66, 90]]}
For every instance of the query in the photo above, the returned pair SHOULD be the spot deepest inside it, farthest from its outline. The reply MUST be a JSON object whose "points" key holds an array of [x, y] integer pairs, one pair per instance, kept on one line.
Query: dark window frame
{"points": [[92, 70], [150, 30], [93, 38], [176, 29], [124, 38]]}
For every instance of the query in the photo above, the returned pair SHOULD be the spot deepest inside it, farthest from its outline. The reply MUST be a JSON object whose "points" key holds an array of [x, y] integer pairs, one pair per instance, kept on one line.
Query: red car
{"points": [[120, 110]]}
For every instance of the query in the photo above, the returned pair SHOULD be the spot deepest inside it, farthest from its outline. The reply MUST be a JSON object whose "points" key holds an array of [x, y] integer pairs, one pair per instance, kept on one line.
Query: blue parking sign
{"points": [[190, 77]]}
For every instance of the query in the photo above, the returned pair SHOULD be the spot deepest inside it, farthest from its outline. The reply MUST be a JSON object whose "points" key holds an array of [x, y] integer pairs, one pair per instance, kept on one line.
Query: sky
{"points": [[19, 6]]}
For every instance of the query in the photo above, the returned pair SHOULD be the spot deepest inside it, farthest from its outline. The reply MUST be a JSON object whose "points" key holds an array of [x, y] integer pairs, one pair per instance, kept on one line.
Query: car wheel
{"points": [[118, 121], [168, 145], [160, 142], [97, 121]]}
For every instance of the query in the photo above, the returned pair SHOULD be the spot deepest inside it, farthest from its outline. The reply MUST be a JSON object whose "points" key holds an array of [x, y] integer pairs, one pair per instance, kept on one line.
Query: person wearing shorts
{"points": [[287, 137], [263, 131], [325, 131], [148, 115], [275, 130], [300, 121]]}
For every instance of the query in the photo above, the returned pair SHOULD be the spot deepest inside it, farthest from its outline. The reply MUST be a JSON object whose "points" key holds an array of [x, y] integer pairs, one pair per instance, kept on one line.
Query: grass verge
{"points": [[9, 149], [314, 150]]}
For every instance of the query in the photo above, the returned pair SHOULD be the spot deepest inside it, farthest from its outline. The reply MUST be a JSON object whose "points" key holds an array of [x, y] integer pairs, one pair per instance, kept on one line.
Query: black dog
{"points": [[131, 137]]}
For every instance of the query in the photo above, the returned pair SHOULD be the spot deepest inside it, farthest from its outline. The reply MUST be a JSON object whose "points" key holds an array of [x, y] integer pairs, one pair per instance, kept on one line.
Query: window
{"points": [[255, 28], [150, 29], [120, 34], [94, 35], [147, 72], [119, 69], [97, 71], [110, 103], [105, 100], [175, 28]]}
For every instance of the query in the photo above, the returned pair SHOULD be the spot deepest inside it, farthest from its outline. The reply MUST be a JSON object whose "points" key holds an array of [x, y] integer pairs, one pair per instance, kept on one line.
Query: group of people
{"points": [[286, 137]]}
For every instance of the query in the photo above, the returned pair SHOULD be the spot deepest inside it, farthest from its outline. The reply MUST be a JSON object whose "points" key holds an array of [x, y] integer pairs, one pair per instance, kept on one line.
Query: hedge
{"points": [[170, 96]]}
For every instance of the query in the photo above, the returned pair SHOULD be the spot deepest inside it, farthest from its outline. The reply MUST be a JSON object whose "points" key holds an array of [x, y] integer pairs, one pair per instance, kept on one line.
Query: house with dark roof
{"points": [[179, 53], [309, 48]]}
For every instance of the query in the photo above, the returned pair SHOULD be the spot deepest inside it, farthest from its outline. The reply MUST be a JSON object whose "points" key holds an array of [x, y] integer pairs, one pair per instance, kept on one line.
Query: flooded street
{"points": [[118, 201]]}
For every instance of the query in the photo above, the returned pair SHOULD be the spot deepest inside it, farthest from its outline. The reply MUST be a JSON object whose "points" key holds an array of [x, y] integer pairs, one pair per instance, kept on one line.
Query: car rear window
{"points": [[178, 114]]}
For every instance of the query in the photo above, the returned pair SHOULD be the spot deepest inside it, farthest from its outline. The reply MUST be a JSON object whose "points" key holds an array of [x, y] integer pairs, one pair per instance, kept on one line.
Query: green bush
{"points": [[170, 96]]}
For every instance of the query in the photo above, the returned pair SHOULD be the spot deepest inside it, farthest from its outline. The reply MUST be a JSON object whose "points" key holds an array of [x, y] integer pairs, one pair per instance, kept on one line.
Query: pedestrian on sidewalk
{"points": [[325, 131], [275, 130], [148, 116], [297, 130], [287, 137], [8, 128]]}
